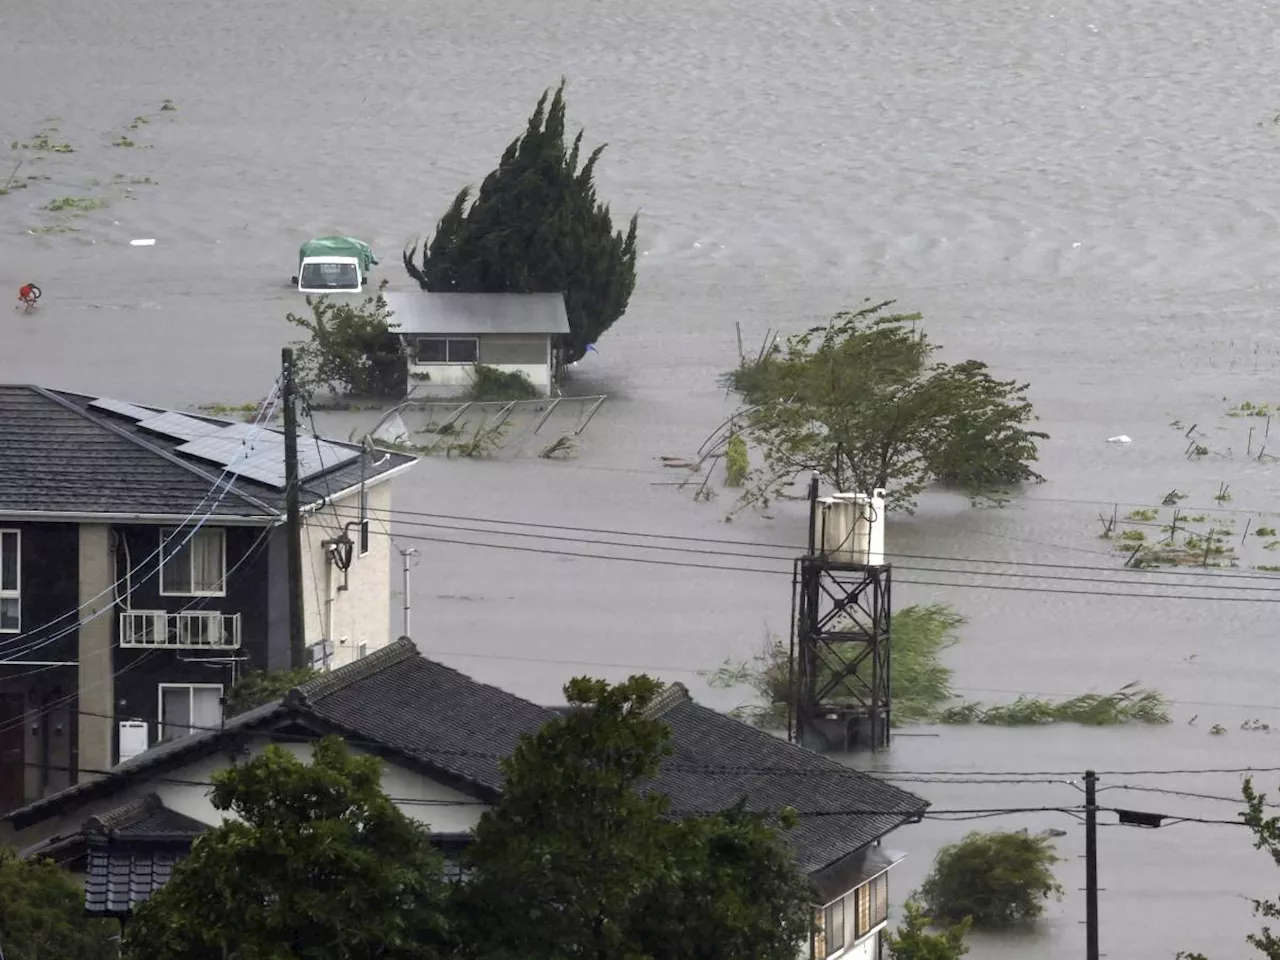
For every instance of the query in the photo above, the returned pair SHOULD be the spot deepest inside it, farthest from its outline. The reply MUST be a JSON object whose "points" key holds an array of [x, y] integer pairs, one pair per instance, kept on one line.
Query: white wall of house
{"points": [[185, 790], [525, 353], [358, 619], [461, 375]]}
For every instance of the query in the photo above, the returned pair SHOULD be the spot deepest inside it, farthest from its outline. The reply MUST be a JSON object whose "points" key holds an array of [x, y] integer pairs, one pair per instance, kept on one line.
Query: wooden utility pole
{"points": [[1091, 864], [293, 507]]}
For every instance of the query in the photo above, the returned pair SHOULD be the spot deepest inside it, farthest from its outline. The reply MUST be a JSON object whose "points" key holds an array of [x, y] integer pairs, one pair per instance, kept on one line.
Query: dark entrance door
{"points": [[12, 756]]}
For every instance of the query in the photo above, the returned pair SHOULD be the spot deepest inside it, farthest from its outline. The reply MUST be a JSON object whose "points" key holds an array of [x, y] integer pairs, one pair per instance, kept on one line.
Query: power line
{"points": [[916, 567], [794, 550], [719, 568]]}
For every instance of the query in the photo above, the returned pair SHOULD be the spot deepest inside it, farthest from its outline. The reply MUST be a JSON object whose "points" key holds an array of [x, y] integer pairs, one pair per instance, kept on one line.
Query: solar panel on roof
{"points": [[258, 455], [317, 456], [270, 473], [119, 407], [179, 426]]}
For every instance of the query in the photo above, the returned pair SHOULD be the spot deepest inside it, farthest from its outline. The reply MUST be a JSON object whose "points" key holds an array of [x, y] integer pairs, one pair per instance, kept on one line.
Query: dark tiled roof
{"points": [[121, 877], [145, 818], [718, 761], [427, 711], [457, 730], [61, 456]]}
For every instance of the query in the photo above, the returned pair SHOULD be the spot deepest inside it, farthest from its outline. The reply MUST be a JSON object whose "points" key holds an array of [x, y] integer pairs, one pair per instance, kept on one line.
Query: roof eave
{"points": [[77, 516], [370, 481]]}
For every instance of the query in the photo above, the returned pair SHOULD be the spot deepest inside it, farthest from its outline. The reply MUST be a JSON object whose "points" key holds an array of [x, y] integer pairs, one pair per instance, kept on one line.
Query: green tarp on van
{"points": [[339, 247]]}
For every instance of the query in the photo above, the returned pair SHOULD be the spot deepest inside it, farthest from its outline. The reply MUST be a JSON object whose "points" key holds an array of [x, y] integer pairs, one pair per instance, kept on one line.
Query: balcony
{"points": [[189, 630]]}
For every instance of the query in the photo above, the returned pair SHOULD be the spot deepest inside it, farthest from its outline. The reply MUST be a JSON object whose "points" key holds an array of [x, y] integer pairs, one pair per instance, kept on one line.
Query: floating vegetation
{"points": [[921, 684], [122, 179], [561, 449], [1247, 409], [168, 106], [1265, 532], [43, 142], [123, 141], [81, 204], [1129, 704], [1217, 730], [484, 441], [737, 464], [137, 122], [52, 229], [1142, 516]]}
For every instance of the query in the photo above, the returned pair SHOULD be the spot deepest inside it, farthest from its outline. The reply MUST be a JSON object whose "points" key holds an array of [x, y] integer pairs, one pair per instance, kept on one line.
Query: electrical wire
{"points": [[1274, 590], [794, 550], [721, 568]]}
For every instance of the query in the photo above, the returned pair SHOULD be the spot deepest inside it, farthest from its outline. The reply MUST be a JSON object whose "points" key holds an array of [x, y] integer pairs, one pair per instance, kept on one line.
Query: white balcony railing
{"points": [[189, 630]]}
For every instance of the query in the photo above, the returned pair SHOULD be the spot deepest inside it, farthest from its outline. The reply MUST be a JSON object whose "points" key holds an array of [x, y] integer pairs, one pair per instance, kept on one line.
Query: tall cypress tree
{"points": [[536, 226]]}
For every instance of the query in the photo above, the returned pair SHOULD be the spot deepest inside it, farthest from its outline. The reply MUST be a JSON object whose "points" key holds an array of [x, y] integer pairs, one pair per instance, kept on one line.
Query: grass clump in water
{"points": [[492, 384], [79, 204], [1129, 704], [921, 684]]}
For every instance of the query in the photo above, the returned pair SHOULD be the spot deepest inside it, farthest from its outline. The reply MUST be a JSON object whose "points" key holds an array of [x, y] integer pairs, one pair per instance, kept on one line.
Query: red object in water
{"points": [[29, 293]]}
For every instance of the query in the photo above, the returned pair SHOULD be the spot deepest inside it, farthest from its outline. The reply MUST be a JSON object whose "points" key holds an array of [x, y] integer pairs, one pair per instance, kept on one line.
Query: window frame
{"points": [[178, 534], [833, 944], [865, 898], [16, 592], [447, 361], [190, 688]]}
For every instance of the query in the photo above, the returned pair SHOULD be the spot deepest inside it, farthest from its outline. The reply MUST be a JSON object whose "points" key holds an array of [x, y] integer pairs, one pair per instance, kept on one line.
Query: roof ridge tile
{"points": [[395, 652]]}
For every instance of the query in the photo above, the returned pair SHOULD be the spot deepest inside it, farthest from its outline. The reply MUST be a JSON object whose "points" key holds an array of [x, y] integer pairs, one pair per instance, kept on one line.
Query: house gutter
{"points": [[53, 516]]}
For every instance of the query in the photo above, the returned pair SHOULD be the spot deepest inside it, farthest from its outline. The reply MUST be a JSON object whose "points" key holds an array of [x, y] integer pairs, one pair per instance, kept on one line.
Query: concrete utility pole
{"points": [[404, 556], [1091, 864], [293, 507]]}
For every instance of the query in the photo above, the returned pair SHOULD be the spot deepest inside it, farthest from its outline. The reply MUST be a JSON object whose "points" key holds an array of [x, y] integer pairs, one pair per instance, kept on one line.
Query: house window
{"points": [[189, 708], [364, 521], [871, 905], [833, 928], [447, 350], [193, 565], [10, 581]]}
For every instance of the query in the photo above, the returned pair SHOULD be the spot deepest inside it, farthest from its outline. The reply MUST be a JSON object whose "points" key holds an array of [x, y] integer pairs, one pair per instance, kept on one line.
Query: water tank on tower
{"points": [[835, 529], [866, 519]]}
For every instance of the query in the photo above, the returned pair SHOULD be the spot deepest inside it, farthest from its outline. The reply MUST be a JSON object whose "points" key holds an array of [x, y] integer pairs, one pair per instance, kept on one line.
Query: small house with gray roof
{"points": [[143, 569], [446, 335], [442, 736]]}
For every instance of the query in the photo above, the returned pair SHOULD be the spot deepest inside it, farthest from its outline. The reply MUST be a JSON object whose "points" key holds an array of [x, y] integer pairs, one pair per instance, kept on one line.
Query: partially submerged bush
{"points": [[492, 384], [353, 350], [999, 879]]}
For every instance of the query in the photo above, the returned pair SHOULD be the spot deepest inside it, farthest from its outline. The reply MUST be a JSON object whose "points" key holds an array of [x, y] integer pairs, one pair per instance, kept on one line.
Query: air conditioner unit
{"points": [[134, 738]]}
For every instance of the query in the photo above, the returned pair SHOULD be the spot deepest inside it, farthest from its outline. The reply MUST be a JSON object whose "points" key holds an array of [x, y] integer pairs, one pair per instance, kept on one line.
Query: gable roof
{"points": [[66, 458], [457, 730], [478, 313]]}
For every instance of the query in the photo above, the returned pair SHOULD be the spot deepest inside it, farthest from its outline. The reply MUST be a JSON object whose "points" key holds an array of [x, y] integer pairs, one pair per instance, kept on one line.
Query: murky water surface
{"points": [[1081, 194]]}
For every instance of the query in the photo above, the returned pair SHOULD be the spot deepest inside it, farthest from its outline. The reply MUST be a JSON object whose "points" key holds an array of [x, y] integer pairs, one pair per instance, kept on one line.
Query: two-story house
{"points": [[143, 569], [442, 736]]}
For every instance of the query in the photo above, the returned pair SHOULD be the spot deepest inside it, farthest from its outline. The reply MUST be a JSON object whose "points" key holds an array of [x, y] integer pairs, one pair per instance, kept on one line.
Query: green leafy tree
{"points": [[1266, 836], [864, 401], [42, 914], [914, 940], [353, 350], [576, 859], [320, 866], [260, 686], [536, 226], [998, 879]]}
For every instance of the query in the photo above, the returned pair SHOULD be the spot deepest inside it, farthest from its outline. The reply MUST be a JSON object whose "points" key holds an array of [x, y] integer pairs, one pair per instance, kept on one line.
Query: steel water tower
{"points": [[840, 657]]}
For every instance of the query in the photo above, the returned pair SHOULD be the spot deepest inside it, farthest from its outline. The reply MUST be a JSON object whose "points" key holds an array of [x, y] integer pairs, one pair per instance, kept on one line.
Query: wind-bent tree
{"points": [[577, 859], [1266, 836], [42, 914], [536, 226], [862, 400], [320, 864], [353, 350]]}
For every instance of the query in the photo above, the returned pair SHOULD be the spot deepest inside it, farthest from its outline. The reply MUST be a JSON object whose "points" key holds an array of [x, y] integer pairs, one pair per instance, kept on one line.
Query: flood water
{"points": [[1082, 195]]}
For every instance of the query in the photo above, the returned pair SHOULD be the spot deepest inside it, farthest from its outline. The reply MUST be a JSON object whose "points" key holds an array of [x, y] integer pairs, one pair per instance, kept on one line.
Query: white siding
{"points": [[441, 808], [361, 614], [460, 374]]}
